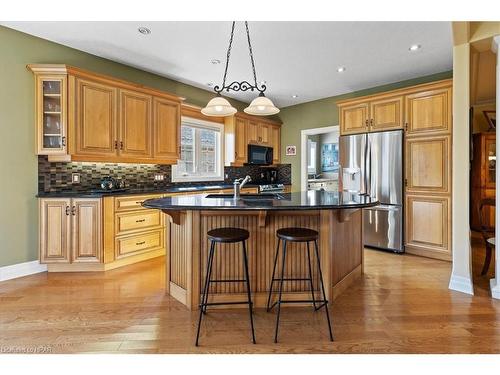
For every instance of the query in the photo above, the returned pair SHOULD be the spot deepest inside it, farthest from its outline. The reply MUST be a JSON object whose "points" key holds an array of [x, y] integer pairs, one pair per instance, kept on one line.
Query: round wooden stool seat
{"points": [[297, 234], [228, 235]]}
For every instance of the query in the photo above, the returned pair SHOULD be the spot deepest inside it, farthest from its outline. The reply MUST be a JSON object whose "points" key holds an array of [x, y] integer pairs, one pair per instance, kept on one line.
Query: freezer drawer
{"points": [[383, 227]]}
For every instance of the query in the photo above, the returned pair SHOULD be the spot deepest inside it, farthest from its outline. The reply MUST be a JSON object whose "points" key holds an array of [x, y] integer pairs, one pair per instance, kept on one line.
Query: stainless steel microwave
{"points": [[260, 155]]}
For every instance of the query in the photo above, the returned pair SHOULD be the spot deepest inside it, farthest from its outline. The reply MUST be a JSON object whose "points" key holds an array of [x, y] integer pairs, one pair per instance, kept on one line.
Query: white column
{"points": [[461, 274], [495, 283]]}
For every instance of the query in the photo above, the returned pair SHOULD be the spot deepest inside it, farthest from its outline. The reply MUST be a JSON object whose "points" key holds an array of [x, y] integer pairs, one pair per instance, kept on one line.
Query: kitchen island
{"points": [[337, 216]]}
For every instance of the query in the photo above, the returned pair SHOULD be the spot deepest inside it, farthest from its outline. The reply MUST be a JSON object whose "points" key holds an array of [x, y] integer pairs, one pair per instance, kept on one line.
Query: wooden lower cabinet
{"points": [[55, 230], [86, 231], [428, 221], [70, 230], [97, 234]]}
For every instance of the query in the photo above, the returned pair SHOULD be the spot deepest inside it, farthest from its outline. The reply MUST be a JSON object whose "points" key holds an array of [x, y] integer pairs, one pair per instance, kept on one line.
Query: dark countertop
{"points": [[305, 200], [136, 191]]}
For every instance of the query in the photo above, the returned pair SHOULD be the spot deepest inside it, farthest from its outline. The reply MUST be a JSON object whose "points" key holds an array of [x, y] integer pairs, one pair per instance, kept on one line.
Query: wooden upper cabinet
{"points": [[264, 135], [55, 230], [166, 129], [240, 140], [428, 112], [354, 118], [275, 132], [386, 114], [428, 164], [96, 131], [252, 132], [86, 230], [136, 129]]}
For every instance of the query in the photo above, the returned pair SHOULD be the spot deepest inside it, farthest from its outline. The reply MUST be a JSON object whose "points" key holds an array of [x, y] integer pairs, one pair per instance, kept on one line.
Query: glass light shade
{"points": [[261, 106], [218, 106]]}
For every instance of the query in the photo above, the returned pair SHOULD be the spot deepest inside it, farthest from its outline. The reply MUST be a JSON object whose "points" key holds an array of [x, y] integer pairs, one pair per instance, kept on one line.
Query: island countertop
{"points": [[304, 200]]}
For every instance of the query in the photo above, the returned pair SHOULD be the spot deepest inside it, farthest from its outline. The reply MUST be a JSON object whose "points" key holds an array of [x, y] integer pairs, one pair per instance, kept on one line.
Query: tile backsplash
{"points": [[56, 177]]}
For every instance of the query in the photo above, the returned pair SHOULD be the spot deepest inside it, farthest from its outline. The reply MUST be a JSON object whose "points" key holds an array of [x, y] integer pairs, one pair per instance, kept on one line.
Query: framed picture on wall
{"points": [[330, 157], [291, 150]]}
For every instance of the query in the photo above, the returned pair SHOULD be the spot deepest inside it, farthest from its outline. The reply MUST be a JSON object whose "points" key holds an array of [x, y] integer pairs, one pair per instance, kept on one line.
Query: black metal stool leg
{"points": [[310, 275], [280, 292], [323, 289], [204, 297], [272, 277], [247, 277], [210, 263]]}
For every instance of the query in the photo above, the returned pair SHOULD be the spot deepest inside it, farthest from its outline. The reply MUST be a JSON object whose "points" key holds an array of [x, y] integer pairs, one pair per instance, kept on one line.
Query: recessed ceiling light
{"points": [[415, 47], [295, 96], [215, 61], [341, 69], [144, 30]]}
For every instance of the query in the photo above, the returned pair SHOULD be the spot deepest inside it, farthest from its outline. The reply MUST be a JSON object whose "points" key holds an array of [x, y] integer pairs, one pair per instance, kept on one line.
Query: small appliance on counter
{"points": [[272, 188], [260, 155], [111, 184]]}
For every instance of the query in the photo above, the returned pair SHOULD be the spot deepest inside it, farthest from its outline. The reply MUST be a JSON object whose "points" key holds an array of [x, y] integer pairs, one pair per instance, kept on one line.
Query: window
{"points": [[201, 152], [311, 157]]}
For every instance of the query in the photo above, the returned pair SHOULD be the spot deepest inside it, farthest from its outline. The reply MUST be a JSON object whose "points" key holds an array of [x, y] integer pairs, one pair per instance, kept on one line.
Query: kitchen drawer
{"points": [[132, 202], [139, 243], [127, 222]]}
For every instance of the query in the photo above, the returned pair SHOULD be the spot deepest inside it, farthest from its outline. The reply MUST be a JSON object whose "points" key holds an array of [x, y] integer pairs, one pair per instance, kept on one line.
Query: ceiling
{"points": [[294, 58]]}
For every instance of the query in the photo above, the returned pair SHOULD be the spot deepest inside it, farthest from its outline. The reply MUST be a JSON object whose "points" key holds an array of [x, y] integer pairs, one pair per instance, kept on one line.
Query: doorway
{"points": [[319, 158]]}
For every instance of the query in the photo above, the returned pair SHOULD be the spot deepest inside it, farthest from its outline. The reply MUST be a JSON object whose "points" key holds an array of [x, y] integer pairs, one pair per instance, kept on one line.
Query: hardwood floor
{"points": [[401, 305]]}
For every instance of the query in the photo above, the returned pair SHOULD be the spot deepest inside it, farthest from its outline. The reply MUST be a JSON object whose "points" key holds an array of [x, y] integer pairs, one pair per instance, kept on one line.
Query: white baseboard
{"points": [[461, 284], [495, 288], [21, 269]]}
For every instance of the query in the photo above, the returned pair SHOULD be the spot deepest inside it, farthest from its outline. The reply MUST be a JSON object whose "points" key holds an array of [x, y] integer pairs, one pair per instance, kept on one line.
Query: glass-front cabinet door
{"points": [[491, 160], [51, 113]]}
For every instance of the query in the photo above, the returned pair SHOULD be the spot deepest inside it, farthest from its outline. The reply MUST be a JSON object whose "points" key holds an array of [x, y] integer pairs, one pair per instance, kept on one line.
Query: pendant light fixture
{"points": [[260, 106]]}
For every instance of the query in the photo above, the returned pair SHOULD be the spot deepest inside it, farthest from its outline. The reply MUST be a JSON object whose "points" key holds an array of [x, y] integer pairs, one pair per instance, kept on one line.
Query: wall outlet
{"points": [[159, 177], [75, 178]]}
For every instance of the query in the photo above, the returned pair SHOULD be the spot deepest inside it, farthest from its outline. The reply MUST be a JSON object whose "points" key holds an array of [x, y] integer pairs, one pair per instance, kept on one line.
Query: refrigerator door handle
{"points": [[364, 191]]}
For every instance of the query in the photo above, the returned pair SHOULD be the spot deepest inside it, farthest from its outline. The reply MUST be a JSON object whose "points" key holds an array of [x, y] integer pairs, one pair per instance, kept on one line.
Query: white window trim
{"points": [[220, 153]]}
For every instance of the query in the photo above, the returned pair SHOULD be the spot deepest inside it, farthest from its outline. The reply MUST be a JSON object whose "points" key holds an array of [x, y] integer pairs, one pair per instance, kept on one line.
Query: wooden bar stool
{"points": [[297, 235], [225, 235]]}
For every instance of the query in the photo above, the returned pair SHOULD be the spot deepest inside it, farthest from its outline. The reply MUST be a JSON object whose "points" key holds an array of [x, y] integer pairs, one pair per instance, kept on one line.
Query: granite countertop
{"points": [[305, 200], [136, 191]]}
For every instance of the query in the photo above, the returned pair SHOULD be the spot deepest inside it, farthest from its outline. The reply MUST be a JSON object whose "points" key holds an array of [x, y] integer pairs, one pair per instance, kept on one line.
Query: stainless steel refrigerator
{"points": [[371, 164]]}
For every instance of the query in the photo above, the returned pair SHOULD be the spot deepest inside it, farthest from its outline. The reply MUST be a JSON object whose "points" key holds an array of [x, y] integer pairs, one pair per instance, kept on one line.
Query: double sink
{"points": [[250, 197]]}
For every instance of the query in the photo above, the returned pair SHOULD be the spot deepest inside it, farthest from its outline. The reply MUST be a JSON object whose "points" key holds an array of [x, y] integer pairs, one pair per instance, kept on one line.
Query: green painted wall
{"points": [[324, 112], [18, 163]]}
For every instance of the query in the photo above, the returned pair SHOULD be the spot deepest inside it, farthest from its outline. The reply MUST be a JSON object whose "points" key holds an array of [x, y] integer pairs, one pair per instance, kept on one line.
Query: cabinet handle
{"points": [[63, 141], [140, 243], [73, 210], [366, 123], [116, 145], [139, 202], [121, 145], [67, 210], [406, 126], [140, 220], [371, 122]]}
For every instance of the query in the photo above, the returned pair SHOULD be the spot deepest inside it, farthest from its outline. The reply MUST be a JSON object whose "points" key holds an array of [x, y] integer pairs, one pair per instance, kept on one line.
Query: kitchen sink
{"points": [[249, 197]]}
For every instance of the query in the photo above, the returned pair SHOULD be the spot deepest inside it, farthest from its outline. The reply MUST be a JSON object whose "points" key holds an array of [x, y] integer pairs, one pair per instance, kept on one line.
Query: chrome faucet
{"points": [[238, 185]]}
